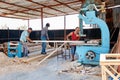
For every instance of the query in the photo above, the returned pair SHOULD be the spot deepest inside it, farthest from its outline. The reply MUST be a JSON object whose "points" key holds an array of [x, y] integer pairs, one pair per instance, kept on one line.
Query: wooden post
{"points": [[64, 27], [28, 23], [103, 73], [41, 18], [8, 34]]}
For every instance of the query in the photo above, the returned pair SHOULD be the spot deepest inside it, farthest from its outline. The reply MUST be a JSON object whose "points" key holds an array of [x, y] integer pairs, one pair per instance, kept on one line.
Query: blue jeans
{"points": [[43, 38], [73, 50], [25, 49]]}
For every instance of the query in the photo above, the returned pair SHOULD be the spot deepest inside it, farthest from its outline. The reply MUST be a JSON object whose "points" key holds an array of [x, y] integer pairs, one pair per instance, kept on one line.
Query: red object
{"points": [[75, 37]]}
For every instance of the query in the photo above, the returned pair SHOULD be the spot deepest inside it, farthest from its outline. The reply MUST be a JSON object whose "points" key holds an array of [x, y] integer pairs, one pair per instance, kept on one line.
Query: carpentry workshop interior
{"points": [[87, 50]]}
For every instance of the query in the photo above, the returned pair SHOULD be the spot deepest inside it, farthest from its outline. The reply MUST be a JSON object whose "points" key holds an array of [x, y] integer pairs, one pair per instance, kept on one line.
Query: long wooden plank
{"points": [[51, 53], [40, 56], [35, 58], [110, 63], [71, 42], [103, 74]]}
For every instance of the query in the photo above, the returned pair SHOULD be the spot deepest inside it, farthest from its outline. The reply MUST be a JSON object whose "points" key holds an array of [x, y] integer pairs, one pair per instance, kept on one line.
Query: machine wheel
{"points": [[90, 55]]}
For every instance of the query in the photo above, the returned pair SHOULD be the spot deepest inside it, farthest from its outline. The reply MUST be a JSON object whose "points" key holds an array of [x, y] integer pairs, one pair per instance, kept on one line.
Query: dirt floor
{"points": [[52, 69], [9, 65]]}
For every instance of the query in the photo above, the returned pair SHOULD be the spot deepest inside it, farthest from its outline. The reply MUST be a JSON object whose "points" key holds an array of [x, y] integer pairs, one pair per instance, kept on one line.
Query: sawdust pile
{"points": [[9, 65]]}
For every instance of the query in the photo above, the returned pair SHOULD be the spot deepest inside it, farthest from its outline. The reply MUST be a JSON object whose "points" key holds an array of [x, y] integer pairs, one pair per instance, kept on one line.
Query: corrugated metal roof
{"points": [[31, 9]]}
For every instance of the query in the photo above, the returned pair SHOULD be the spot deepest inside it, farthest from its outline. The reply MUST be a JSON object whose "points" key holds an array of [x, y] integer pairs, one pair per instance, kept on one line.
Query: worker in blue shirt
{"points": [[44, 37], [24, 38]]}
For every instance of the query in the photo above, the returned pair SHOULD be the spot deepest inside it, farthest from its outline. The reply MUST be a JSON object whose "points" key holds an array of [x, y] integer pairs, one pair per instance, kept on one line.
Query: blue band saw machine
{"points": [[90, 54]]}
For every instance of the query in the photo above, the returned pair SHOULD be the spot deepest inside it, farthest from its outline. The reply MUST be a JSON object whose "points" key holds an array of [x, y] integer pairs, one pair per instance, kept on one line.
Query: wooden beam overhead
{"points": [[65, 5], [46, 6], [30, 9], [15, 11], [56, 5], [24, 7], [14, 17], [22, 11]]}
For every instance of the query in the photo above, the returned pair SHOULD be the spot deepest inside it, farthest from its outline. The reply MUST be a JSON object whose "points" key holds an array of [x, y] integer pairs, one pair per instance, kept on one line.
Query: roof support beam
{"points": [[28, 23], [15, 11], [30, 12], [46, 6], [65, 5], [41, 18], [57, 5], [24, 7], [14, 17], [64, 27], [4, 14]]}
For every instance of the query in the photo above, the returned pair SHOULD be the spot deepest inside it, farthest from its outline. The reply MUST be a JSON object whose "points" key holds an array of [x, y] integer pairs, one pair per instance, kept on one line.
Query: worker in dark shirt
{"points": [[44, 37]]}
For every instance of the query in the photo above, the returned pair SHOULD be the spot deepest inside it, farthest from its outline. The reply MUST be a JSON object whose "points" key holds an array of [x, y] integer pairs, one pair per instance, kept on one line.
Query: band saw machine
{"points": [[90, 54]]}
